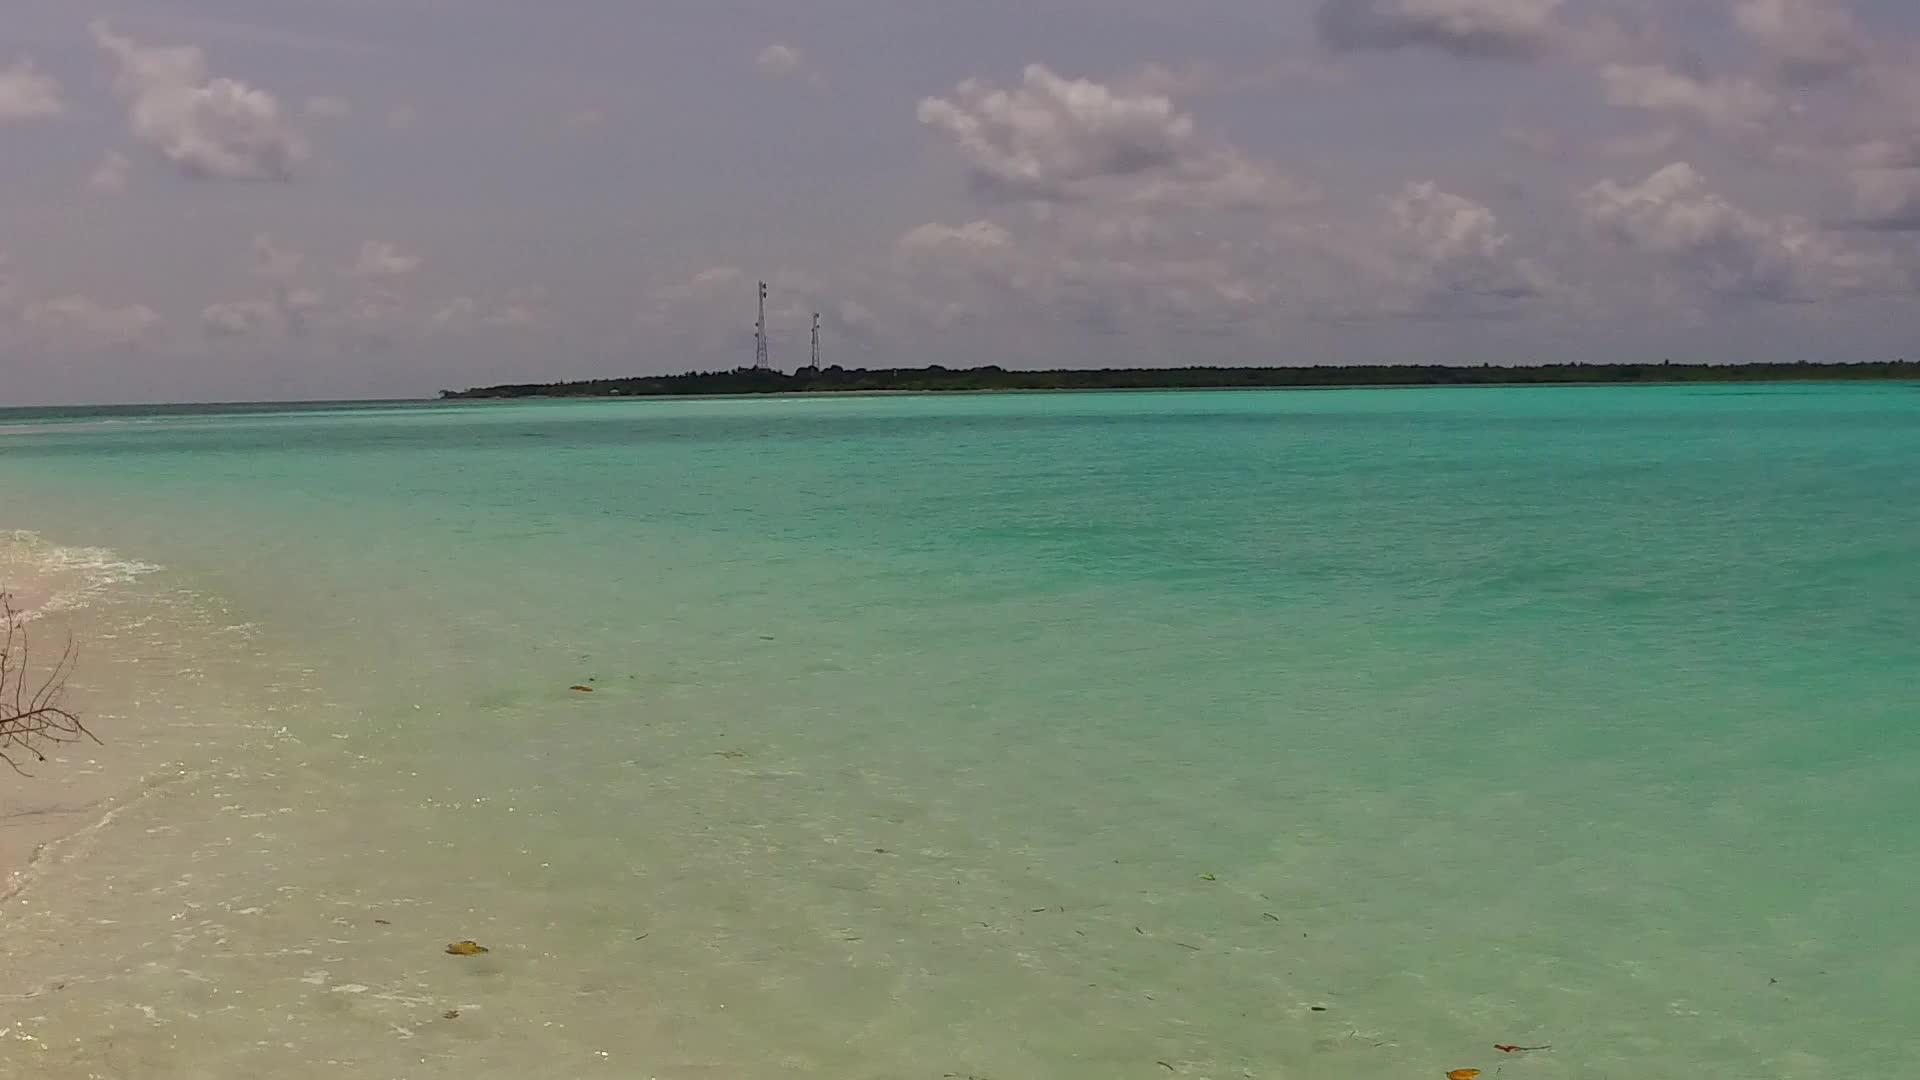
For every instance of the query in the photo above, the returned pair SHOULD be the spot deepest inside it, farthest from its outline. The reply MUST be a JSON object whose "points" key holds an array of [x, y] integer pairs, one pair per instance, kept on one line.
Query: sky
{"points": [[297, 199]]}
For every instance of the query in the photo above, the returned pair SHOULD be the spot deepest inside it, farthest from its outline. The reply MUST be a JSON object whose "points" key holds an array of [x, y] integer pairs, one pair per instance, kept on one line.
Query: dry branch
{"points": [[31, 715]]}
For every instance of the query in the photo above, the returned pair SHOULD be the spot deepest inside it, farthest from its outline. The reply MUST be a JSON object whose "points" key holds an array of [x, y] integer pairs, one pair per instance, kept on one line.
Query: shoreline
{"points": [[80, 786], [39, 808]]}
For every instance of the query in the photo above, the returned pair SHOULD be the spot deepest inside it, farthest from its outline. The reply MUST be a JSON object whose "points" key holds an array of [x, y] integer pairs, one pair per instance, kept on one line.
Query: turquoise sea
{"points": [[1335, 734]]}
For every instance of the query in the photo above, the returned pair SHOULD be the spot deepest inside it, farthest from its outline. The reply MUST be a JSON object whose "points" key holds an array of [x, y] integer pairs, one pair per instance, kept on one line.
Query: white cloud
{"points": [[1887, 199], [1707, 244], [110, 176], [81, 322], [1457, 258], [375, 318], [1130, 228], [1087, 270], [1810, 40], [208, 126], [464, 314], [27, 94], [1475, 28], [299, 304], [244, 318], [1737, 107], [713, 281], [719, 294], [1885, 116], [290, 311], [383, 259], [329, 107], [780, 61], [458, 314], [273, 262], [973, 237], [1057, 139], [1443, 226]]}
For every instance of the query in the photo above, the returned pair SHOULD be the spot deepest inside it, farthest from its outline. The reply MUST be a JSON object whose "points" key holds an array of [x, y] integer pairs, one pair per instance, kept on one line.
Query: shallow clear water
{"points": [[1002, 736]]}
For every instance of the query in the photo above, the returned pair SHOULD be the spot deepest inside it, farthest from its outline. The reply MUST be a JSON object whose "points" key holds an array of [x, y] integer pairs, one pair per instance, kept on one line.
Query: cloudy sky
{"points": [[241, 199]]}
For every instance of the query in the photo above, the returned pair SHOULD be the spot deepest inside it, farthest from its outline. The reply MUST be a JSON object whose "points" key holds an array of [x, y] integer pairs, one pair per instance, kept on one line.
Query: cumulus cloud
{"points": [[299, 304], [1446, 227], [81, 322], [718, 293], [1129, 228], [1057, 139], [290, 312], [974, 236], [1707, 244], [1732, 106], [27, 94], [459, 314], [383, 259], [210, 127], [465, 314], [274, 262], [1503, 29], [110, 176], [1887, 199], [713, 281], [1456, 256], [1810, 40], [243, 318], [778, 61], [1088, 269], [328, 107]]}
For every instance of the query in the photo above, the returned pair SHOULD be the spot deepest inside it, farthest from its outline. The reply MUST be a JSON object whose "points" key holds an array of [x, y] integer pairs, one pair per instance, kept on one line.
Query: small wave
{"points": [[50, 577]]}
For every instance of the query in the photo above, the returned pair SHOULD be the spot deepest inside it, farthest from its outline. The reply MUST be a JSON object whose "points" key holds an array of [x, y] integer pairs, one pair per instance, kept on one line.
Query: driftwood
{"points": [[31, 715]]}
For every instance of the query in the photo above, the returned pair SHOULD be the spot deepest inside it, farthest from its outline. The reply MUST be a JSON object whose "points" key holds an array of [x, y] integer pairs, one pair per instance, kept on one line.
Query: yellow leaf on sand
{"points": [[466, 948]]}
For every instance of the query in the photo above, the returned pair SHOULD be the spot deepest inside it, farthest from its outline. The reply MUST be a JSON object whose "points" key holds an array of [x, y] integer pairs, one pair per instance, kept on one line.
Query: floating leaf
{"points": [[465, 948], [582, 688], [1463, 1074]]}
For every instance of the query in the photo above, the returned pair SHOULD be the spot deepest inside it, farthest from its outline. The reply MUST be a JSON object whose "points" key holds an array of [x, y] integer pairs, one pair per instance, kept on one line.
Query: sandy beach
{"points": [[78, 784]]}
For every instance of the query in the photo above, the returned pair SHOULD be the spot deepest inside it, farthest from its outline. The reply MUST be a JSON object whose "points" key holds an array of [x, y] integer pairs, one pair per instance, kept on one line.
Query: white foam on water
{"points": [[50, 577]]}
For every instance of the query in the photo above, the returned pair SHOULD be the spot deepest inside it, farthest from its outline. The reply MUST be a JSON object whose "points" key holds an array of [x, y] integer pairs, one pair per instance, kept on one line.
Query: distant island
{"points": [[936, 379]]}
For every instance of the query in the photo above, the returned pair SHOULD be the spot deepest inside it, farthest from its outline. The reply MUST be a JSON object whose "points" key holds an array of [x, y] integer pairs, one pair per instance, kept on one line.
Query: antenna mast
{"points": [[760, 332], [816, 342]]}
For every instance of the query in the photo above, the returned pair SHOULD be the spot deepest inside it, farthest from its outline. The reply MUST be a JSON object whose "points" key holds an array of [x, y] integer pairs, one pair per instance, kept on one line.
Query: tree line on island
{"points": [[935, 378]]}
